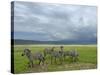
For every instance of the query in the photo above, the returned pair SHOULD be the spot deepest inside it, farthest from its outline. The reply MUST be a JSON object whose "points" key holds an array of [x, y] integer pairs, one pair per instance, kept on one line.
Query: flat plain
{"points": [[87, 59]]}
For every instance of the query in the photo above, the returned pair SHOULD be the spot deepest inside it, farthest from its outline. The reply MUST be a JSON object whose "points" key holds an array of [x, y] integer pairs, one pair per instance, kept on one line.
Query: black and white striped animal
{"points": [[32, 57], [74, 55], [48, 51], [58, 54], [64, 53], [71, 53]]}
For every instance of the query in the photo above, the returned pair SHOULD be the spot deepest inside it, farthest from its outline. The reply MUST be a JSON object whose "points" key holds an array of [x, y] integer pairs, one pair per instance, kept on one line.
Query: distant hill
{"points": [[21, 42]]}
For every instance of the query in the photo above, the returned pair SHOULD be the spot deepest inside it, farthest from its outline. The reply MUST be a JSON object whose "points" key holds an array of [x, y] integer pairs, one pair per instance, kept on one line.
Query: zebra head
{"points": [[52, 49], [26, 52], [61, 47]]}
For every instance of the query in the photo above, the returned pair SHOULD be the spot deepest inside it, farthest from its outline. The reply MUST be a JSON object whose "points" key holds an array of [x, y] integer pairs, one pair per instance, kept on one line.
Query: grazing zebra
{"points": [[48, 51], [64, 53], [32, 57], [61, 50], [57, 54], [74, 55]]}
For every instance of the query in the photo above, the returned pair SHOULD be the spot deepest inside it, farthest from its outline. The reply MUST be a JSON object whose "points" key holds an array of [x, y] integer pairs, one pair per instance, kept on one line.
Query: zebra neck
{"points": [[62, 50], [29, 55]]}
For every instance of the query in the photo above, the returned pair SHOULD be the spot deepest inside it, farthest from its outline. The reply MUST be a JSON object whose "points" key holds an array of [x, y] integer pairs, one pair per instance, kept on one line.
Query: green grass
{"points": [[87, 59]]}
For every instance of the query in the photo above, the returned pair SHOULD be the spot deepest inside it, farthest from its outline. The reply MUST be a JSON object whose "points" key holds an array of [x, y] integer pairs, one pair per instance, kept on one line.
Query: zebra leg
{"points": [[39, 62], [60, 60], [43, 60], [51, 59], [55, 59], [64, 57], [31, 64], [73, 59], [76, 59], [45, 53]]}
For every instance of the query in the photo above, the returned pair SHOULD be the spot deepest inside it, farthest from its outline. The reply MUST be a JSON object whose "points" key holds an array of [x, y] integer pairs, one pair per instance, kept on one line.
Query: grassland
{"points": [[87, 59]]}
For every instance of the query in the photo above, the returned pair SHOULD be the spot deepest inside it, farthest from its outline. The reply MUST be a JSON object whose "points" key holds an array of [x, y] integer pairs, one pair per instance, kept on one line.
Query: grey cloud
{"points": [[56, 21]]}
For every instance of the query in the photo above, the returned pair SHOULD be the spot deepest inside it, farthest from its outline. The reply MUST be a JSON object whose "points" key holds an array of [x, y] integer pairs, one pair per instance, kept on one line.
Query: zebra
{"points": [[57, 54], [32, 57], [64, 53], [48, 51], [74, 55]]}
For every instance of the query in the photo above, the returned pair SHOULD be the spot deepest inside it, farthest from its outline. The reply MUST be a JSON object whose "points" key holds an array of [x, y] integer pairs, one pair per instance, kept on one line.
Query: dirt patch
{"points": [[80, 66]]}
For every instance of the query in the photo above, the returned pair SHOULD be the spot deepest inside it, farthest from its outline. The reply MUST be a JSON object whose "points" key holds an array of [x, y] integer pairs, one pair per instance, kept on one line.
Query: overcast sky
{"points": [[42, 21]]}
